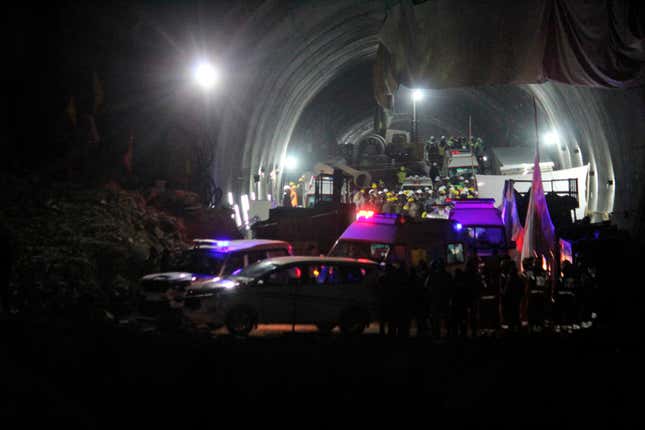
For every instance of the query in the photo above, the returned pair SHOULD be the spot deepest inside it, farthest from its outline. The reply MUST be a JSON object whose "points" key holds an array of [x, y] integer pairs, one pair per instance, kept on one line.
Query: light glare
{"points": [[291, 162], [551, 138], [205, 75], [417, 95]]}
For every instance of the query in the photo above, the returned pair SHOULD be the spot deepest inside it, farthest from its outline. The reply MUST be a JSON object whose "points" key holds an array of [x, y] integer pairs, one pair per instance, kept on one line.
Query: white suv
{"points": [[325, 291], [208, 260]]}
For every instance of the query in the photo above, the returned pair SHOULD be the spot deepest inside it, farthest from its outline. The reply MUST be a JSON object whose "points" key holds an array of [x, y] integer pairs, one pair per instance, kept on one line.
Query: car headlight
{"points": [[227, 284]]}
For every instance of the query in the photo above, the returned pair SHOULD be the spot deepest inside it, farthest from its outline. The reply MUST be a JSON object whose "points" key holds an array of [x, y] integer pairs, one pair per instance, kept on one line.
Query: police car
{"points": [[324, 291], [208, 260]]}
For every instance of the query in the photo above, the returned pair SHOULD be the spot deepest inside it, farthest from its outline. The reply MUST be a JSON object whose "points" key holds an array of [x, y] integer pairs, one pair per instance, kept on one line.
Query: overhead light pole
{"points": [[206, 76], [417, 95]]}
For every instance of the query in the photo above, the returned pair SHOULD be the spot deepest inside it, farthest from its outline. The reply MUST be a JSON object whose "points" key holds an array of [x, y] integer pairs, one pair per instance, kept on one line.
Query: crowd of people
{"points": [[432, 198], [490, 296], [439, 146]]}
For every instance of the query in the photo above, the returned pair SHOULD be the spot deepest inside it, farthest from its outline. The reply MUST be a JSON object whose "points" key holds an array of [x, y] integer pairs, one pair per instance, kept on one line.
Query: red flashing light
{"points": [[364, 214]]}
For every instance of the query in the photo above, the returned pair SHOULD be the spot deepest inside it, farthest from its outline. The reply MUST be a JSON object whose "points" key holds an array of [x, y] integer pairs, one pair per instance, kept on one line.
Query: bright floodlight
{"points": [[205, 75], [417, 95], [291, 162], [552, 138]]}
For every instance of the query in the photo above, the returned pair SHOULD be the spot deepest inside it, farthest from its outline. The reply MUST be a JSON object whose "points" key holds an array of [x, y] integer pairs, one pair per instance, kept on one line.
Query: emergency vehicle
{"points": [[460, 163], [383, 237], [207, 260], [413, 183], [482, 224]]}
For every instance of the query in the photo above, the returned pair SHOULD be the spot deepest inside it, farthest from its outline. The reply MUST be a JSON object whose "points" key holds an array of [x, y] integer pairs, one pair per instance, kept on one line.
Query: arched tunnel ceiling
{"points": [[314, 93]]}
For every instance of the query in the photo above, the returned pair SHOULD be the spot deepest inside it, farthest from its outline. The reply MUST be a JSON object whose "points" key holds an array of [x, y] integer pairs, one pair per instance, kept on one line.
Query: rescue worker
{"points": [[401, 175], [286, 196], [293, 196], [413, 208], [434, 170], [359, 199]]}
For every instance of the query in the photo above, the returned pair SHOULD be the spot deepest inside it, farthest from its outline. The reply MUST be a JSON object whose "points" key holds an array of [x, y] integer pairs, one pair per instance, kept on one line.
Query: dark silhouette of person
{"points": [[565, 297], [440, 286], [473, 282], [512, 294], [420, 297], [386, 288], [459, 308], [403, 301], [536, 289], [489, 303]]}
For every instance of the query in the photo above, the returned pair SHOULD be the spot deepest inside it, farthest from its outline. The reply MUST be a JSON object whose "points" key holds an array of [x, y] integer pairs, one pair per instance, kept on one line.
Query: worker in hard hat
{"points": [[402, 174], [359, 198], [413, 208], [286, 196], [293, 195]]}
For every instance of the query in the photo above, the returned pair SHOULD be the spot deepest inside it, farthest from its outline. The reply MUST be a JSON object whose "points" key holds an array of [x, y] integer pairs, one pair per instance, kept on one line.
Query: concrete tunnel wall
{"points": [[301, 56]]}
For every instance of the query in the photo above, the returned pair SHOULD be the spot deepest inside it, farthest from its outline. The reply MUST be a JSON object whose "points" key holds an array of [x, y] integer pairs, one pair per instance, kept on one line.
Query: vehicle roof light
{"points": [[364, 214], [222, 243]]}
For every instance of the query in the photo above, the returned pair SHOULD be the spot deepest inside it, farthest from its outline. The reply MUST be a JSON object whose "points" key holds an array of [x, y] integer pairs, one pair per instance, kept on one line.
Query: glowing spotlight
{"points": [[417, 95], [551, 138], [205, 75], [291, 162]]}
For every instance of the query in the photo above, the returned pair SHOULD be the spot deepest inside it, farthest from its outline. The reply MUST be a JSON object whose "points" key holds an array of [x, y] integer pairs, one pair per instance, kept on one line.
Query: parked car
{"points": [[207, 260], [325, 291]]}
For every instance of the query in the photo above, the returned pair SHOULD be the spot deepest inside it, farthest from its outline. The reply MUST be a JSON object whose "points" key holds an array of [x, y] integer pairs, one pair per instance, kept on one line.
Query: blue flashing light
{"points": [[222, 243], [458, 226]]}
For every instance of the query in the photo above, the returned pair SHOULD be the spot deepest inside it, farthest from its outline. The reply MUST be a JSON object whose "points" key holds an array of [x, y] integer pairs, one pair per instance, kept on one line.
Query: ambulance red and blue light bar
{"points": [[376, 218]]}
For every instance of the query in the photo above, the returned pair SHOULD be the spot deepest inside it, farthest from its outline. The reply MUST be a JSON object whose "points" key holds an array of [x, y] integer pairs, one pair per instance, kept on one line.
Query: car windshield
{"points": [[201, 261], [256, 270]]}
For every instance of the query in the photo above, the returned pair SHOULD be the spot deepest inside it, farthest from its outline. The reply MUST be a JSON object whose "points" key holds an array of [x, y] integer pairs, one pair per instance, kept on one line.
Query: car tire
{"points": [[353, 321], [240, 321], [325, 327]]}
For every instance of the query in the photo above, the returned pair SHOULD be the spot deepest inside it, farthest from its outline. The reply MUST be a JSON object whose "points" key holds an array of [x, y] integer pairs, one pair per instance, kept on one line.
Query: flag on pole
{"points": [[511, 219], [539, 233]]}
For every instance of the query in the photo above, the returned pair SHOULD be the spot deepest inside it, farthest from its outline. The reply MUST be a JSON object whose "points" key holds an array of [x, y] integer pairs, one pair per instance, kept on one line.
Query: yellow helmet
{"points": [[374, 185], [410, 200]]}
